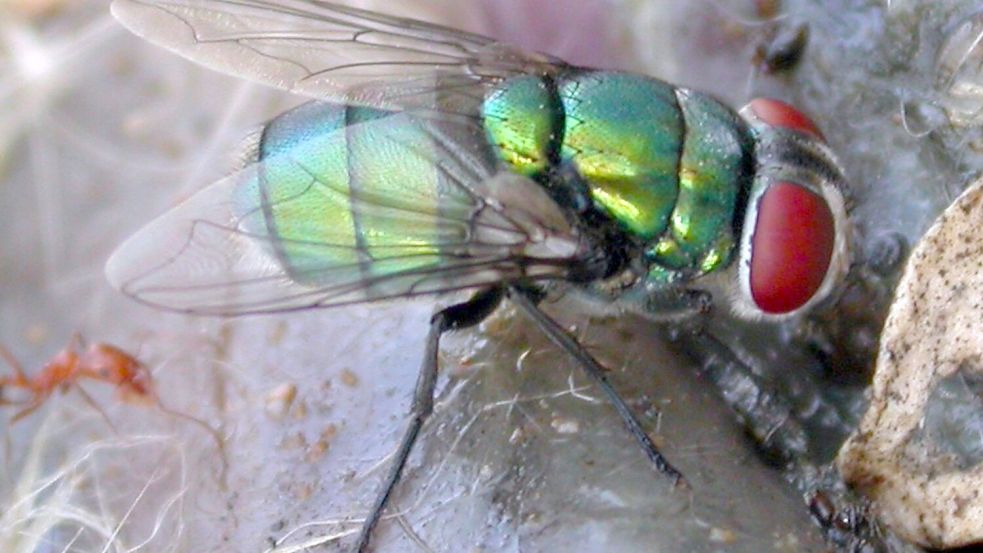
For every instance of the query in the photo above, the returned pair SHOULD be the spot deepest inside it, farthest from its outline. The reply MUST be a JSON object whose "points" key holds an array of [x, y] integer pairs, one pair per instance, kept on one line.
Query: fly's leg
{"points": [[454, 317], [844, 517], [674, 305], [766, 414], [527, 301], [657, 303]]}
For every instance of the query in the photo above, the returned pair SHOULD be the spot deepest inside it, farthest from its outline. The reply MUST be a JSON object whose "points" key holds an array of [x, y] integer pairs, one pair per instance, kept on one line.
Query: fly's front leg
{"points": [[454, 317], [844, 517], [656, 302], [527, 301], [766, 414], [674, 305]]}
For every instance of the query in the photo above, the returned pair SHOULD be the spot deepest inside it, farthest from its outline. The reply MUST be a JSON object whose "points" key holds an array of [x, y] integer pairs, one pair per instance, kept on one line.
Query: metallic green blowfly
{"points": [[435, 161]]}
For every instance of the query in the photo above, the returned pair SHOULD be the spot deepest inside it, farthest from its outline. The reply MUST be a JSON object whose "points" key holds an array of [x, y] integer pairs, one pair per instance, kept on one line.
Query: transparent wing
{"points": [[330, 52], [394, 207]]}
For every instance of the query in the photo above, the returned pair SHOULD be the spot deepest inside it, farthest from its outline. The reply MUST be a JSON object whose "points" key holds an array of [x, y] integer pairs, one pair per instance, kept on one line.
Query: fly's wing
{"points": [[394, 206], [331, 52]]}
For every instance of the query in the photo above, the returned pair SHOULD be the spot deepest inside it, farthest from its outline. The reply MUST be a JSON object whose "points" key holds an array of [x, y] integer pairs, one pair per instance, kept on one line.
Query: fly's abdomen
{"points": [[667, 164], [299, 198], [327, 194]]}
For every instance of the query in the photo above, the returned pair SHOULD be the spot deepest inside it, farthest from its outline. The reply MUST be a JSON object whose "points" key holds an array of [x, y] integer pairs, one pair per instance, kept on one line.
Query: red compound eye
{"points": [[780, 114], [791, 247]]}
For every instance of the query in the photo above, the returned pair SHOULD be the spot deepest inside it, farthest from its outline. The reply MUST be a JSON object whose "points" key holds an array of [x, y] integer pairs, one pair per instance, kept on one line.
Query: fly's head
{"points": [[794, 244]]}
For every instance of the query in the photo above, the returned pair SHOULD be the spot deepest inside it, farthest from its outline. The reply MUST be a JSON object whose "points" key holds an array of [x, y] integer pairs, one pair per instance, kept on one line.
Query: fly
{"points": [[433, 160]]}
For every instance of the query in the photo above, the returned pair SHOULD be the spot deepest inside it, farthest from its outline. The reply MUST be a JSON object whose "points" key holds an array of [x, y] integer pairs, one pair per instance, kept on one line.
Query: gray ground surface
{"points": [[100, 132]]}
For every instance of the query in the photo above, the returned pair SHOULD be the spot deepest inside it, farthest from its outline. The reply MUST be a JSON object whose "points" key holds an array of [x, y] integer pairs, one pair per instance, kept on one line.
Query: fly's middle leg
{"points": [[454, 317], [527, 301]]}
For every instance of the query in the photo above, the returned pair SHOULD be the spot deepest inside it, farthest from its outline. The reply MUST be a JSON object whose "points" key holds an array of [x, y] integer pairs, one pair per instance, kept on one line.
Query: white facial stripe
{"points": [[784, 155]]}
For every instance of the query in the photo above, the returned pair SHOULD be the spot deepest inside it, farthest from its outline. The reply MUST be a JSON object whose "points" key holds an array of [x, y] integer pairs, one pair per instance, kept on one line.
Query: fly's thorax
{"points": [[715, 169], [666, 165], [623, 134], [794, 244]]}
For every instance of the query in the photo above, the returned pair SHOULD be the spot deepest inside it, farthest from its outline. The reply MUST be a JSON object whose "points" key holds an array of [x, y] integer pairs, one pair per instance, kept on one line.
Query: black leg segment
{"points": [[454, 317], [526, 301]]}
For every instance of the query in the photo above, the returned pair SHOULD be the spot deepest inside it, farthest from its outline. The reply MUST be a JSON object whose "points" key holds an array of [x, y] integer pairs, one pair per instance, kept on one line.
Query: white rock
{"points": [[919, 484]]}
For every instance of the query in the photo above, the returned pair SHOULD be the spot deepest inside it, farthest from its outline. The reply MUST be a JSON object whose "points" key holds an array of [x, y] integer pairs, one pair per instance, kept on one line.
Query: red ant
{"points": [[102, 362]]}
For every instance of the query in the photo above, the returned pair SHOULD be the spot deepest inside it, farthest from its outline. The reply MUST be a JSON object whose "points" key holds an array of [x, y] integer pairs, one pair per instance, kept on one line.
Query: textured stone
{"points": [[915, 453]]}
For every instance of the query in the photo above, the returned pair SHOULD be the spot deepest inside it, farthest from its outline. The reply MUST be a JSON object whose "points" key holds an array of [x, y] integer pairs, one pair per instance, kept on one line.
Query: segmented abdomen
{"points": [[333, 194]]}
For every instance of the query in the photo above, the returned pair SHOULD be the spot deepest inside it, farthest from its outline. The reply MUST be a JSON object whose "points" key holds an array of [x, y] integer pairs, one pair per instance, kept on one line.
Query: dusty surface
{"points": [[100, 132]]}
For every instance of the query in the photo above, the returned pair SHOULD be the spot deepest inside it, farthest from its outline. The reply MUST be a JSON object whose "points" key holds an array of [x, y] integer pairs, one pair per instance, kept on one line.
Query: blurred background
{"points": [[272, 433]]}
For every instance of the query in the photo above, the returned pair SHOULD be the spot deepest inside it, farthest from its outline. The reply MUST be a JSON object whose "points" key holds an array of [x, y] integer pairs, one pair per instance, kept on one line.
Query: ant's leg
{"points": [[76, 342], [527, 301], [223, 476], [95, 405], [20, 377], [31, 407], [454, 317]]}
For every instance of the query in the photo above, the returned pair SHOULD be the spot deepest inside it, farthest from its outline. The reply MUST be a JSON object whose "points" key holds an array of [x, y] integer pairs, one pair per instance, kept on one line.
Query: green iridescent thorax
{"points": [[327, 193], [623, 134], [667, 164], [715, 167]]}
